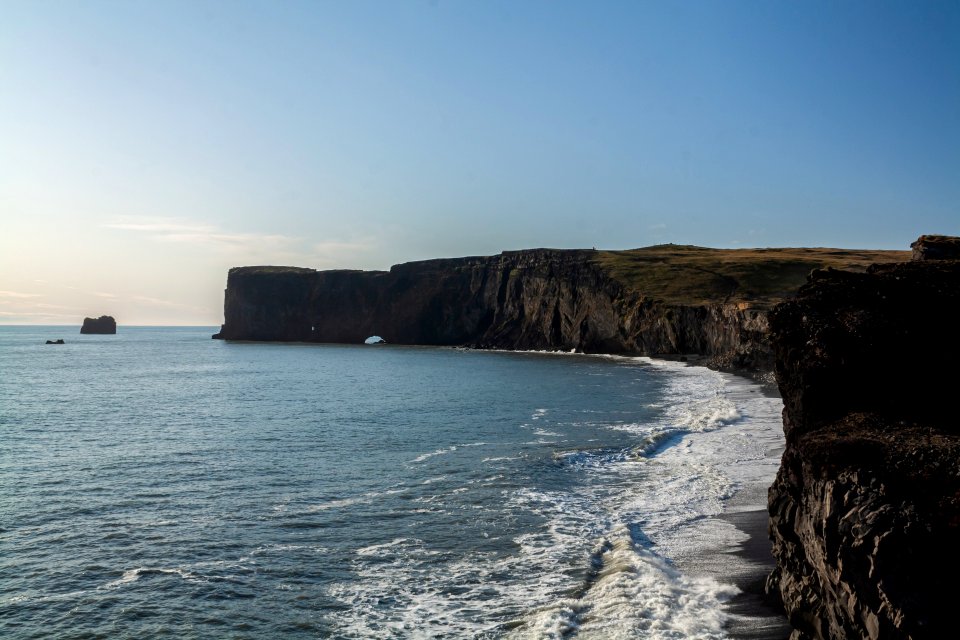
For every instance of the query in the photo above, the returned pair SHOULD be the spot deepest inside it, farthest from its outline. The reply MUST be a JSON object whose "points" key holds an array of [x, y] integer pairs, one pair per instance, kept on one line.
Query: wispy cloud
{"points": [[43, 305], [336, 247], [248, 246], [17, 294], [36, 316], [159, 225], [157, 302], [190, 232]]}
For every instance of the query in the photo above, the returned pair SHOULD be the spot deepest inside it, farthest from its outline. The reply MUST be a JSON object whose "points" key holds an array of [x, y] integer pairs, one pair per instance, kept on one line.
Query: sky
{"points": [[147, 147]]}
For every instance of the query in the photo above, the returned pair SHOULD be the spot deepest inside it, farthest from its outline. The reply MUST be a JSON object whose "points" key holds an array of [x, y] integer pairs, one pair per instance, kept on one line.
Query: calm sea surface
{"points": [[158, 483]]}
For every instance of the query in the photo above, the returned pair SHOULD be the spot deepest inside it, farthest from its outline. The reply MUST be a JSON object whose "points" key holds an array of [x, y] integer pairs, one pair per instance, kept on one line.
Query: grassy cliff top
{"points": [[758, 278], [260, 269]]}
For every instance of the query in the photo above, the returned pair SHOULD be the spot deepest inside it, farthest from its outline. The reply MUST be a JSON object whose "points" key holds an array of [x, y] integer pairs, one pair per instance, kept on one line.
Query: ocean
{"points": [[157, 483]]}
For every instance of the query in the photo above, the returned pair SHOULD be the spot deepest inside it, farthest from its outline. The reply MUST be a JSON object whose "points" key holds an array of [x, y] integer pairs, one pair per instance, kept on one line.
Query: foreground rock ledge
{"points": [[103, 324], [865, 510]]}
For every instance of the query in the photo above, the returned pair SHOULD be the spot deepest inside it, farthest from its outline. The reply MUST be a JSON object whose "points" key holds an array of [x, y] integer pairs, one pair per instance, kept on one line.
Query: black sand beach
{"points": [[754, 617]]}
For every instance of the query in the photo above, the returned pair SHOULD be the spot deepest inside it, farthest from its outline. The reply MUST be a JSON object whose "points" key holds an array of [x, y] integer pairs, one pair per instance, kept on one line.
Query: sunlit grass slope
{"points": [[757, 278]]}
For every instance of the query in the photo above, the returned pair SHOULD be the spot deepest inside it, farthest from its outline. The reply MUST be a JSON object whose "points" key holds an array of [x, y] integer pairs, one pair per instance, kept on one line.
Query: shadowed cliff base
{"points": [[865, 510], [661, 300]]}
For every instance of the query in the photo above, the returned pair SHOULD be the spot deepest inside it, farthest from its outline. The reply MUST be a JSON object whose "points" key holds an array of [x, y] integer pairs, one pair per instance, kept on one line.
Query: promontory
{"points": [[660, 300], [865, 509]]}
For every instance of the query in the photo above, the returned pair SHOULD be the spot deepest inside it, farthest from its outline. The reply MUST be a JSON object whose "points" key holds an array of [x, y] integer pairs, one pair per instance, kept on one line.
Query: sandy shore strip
{"points": [[753, 617], [735, 548]]}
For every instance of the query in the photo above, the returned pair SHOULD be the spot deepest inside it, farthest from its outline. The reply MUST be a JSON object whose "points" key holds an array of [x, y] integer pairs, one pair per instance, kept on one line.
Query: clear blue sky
{"points": [[145, 147]]}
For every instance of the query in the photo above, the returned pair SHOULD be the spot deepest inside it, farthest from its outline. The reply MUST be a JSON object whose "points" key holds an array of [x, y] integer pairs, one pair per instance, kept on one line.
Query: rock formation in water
{"points": [[865, 510], [660, 300], [103, 324]]}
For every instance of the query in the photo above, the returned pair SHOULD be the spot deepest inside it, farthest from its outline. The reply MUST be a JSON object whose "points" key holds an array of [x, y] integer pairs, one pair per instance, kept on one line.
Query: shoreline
{"points": [[747, 562], [753, 617], [747, 559], [740, 552], [759, 376]]}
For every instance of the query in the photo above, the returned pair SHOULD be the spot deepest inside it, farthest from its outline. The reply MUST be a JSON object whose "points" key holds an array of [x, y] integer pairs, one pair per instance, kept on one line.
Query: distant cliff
{"points": [[865, 511], [668, 299]]}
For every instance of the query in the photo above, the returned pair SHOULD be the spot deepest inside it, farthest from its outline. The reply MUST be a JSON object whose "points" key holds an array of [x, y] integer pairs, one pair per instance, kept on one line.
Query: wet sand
{"points": [[753, 617]]}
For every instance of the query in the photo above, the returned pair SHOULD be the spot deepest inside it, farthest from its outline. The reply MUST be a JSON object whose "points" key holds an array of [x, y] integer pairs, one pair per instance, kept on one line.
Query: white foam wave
{"points": [[633, 592], [502, 458], [438, 452], [604, 561], [544, 432], [337, 504], [375, 549], [132, 575]]}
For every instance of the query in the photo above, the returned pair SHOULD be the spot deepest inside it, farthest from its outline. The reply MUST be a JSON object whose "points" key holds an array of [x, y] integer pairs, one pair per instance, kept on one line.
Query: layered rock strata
{"points": [[535, 299], [865, 510]]}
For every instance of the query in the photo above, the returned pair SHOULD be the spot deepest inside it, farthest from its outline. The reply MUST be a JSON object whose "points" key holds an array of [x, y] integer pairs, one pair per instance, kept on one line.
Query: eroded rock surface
{"points": [[536, 299], [865, 510], [936, 248]]}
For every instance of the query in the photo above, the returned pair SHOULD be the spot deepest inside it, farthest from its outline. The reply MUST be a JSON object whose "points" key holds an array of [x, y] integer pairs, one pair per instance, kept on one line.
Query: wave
{"points": [[439, 452], [633, 592], [601, 563], [132, 575]]}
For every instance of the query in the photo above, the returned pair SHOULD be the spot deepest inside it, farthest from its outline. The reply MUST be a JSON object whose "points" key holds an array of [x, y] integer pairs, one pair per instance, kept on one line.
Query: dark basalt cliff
{"points": [[865, 510], [655, 301], [103, 324]]}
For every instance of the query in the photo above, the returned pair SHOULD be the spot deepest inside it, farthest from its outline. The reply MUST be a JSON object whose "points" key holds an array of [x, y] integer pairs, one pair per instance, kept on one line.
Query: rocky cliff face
{"points": [[536, 299], [865, 510]]}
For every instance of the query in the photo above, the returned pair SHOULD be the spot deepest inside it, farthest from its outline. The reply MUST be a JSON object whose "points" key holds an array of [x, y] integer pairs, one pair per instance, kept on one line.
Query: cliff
{"points": [[660, 300], [865, 510], [103, 324]]}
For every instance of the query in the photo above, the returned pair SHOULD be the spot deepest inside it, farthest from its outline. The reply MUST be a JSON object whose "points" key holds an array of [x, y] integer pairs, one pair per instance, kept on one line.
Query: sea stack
{"points": [[103, 324], [865, 510]]}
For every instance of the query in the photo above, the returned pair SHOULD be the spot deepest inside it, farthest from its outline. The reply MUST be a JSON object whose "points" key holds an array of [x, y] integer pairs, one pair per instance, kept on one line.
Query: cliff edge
{"points": [[865, 510], [667, 299]]}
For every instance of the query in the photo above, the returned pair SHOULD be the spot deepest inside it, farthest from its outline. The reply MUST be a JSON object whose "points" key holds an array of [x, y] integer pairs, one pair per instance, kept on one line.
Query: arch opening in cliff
{"points": [[374, 340]]}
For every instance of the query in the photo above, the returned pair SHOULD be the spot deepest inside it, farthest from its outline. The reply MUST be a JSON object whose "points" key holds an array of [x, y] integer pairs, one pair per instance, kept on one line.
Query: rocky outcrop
{"points": [[936, 248], [535, 299], [865, 510], [103, 324]]}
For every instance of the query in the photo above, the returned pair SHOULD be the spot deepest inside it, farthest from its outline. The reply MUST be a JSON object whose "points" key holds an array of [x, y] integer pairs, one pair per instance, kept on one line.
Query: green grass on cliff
{"points": [[757, 278]]}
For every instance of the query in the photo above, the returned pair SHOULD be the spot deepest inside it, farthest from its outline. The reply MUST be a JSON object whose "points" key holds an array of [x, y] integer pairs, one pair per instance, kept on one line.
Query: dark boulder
{"points": [[59, 341]]}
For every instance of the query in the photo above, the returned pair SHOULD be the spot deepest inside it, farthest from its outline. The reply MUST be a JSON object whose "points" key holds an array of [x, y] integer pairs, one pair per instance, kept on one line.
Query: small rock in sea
{"points": [[60, 341]]}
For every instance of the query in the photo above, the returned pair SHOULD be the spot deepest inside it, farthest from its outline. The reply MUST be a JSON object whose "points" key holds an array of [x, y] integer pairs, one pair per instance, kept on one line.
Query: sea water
{"points": [[157, 483]]}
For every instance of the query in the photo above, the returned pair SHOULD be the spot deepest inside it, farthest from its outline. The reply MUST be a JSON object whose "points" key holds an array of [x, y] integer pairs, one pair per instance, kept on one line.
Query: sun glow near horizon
{"points": [[149, 148]]}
